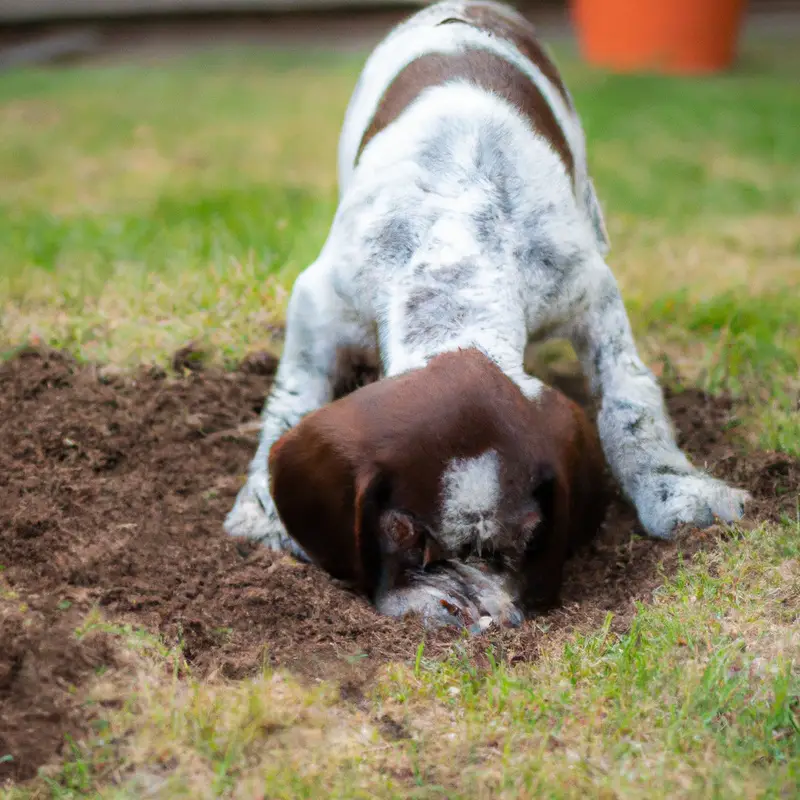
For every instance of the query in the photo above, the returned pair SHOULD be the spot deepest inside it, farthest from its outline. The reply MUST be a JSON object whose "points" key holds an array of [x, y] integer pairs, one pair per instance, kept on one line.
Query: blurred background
{"points": [[46, 30]]}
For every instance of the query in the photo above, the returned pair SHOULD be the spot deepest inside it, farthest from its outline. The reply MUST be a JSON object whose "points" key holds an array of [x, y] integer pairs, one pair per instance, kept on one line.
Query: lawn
{"points": [[145, 207]]}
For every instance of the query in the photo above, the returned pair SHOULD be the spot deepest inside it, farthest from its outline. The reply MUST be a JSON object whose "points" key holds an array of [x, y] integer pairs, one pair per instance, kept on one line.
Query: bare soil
{"points": [[113, 492]]}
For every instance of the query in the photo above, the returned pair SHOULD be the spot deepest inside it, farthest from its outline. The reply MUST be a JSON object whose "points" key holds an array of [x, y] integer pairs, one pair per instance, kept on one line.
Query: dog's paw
{"points": [[666, 500], [255, 517]]}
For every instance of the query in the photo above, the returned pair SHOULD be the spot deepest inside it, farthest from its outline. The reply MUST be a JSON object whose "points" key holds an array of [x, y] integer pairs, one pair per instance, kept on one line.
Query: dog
{"points": [[443, 491], [467, 219]]}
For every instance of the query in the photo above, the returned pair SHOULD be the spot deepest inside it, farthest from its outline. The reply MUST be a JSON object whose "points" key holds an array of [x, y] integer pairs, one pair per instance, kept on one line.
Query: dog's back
{"points": [[478, 45], [466, 214]]}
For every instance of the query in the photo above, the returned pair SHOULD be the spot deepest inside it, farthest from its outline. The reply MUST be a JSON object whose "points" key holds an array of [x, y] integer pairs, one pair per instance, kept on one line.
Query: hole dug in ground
{"points": [[113, 494]]}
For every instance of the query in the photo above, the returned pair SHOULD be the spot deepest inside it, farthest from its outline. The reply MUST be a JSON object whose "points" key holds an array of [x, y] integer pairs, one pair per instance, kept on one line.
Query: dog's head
{"points": [[450, 460]]}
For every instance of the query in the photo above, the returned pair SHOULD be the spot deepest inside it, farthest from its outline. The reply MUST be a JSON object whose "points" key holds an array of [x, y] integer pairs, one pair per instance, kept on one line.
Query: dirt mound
{"points": [[41, 661], [114, 491]]}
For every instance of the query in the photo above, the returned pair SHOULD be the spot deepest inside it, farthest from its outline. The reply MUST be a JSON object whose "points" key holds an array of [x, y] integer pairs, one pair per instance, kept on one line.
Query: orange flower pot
{"points": [[676, 36]]}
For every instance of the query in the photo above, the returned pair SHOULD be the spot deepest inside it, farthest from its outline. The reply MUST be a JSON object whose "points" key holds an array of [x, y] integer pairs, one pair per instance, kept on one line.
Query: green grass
{"points": [[699, 697], [142, 208]]}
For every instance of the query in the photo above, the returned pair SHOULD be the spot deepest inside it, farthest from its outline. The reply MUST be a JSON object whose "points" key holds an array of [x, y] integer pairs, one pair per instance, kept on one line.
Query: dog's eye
{"points": [[399, 531]]}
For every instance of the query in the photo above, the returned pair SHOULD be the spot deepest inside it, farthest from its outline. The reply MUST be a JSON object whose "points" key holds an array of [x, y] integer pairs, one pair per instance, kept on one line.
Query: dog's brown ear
{"points": [[314, 486], [371, 498], [330, 503], [547, 547]]}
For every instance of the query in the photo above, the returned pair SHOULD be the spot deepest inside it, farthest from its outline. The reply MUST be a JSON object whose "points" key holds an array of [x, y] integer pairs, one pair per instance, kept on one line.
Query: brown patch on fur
{"points": [[385, 448], [515, 29], [483, 69]]}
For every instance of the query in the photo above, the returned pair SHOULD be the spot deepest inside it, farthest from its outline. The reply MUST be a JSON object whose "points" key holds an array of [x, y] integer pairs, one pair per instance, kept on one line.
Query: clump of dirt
{"points": [[190, 357], [114, 492], [42, 663]]}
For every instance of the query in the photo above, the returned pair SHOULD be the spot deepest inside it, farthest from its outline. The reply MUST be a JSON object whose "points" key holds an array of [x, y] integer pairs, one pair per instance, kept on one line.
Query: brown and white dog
{"points": [[386, 489], [467, 219]]}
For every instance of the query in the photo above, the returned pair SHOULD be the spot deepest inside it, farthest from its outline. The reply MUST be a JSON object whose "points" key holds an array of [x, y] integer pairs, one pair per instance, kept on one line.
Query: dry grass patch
{"points": [[755, 254], [159, 732], [225, 310]]}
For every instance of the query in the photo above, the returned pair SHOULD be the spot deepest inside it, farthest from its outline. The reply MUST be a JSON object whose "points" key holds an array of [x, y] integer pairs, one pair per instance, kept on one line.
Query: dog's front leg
{"points": [[316, 327], [634, 426]]}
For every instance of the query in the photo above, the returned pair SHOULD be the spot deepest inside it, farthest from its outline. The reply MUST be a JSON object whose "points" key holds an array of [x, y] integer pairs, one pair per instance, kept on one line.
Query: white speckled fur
{"points": [[470, 493], [460, 227]]}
